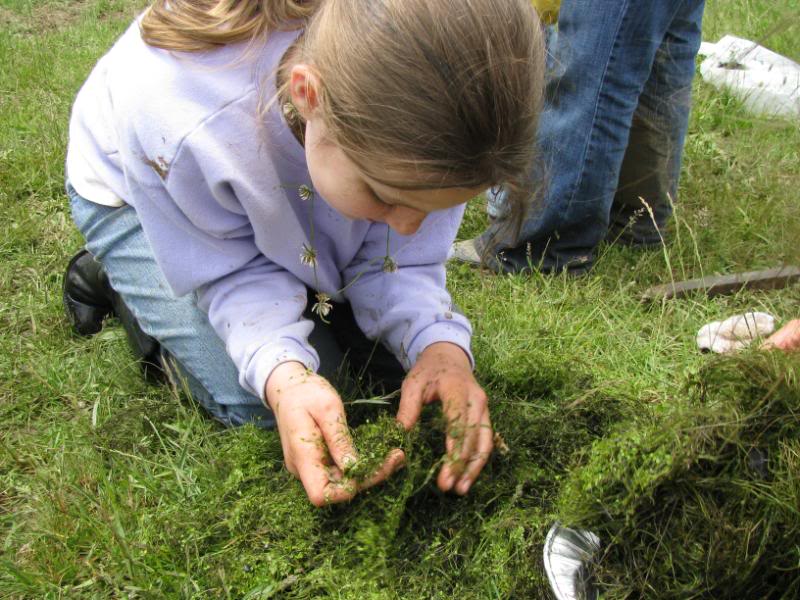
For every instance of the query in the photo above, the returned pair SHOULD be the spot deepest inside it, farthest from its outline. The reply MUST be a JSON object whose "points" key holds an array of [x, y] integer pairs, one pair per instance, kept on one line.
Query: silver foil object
{"points": [[568, 557]]}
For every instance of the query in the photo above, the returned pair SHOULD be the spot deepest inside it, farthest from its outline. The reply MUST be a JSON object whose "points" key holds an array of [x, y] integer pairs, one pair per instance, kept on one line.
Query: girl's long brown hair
{"points": [[196, 25], [418, 93]]}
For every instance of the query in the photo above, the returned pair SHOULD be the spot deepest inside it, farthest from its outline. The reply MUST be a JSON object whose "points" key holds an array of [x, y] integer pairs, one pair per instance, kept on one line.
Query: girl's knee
{"points": [[242, 414]]}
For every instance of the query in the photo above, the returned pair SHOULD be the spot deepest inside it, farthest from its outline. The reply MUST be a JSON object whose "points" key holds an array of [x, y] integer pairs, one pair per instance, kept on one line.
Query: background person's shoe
{"points": [[86, 294], [466, 251], [638, 228], [521, 259], [644, 238]]}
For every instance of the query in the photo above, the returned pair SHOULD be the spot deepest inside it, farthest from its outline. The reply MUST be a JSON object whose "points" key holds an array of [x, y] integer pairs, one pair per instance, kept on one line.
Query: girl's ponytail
{"points": [[197, 25]]}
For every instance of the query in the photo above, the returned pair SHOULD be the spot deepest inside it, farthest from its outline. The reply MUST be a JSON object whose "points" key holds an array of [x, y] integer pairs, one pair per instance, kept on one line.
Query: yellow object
{"points": [[548, 10]]}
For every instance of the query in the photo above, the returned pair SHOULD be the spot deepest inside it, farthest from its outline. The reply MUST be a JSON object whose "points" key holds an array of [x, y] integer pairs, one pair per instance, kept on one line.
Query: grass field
{"points": [[114, 488]]}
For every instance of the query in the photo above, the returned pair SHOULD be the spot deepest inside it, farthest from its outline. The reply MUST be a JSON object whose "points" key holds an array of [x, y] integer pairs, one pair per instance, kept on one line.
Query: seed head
{"points": [[322, 307], [389, 264], [305, 192], [308, 256]]}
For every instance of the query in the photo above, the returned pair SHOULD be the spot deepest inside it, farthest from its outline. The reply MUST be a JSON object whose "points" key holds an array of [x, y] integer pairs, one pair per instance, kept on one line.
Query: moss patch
{"points": [[701, 498]]}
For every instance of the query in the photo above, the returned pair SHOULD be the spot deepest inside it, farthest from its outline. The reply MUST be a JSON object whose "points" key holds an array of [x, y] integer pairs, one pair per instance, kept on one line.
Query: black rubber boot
{"points": [[86, 294], [89, 298]]}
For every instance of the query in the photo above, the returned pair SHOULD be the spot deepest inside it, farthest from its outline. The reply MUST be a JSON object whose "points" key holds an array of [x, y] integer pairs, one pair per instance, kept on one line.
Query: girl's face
{"points": [[357, 196], [346, 188]]}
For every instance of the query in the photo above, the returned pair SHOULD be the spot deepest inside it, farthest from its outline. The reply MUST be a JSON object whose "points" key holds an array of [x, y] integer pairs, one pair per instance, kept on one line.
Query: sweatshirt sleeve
{"points": [[403, 300], [195, 211], [257, 311]]}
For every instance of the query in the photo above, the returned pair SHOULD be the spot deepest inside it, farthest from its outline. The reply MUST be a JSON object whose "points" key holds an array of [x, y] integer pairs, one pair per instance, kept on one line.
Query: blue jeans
{"points": [[611, 134], [191, 349], [115, 237]]}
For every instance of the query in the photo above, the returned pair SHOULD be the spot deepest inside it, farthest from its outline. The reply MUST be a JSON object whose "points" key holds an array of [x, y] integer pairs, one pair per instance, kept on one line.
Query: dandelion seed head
{"points": [[389, 265], [305, 192], [308, 256], [323, 306]]}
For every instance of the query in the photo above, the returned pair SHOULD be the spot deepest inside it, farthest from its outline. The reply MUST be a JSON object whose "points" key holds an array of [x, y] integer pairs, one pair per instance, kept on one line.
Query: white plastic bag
{"points": [[767, 83], [735, 333]]}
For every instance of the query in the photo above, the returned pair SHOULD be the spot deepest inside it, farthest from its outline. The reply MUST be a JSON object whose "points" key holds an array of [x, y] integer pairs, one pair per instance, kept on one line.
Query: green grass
{"points": [[110, 487]]}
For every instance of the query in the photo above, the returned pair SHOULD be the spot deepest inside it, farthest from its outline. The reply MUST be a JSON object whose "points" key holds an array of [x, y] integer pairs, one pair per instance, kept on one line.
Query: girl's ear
{"points": [[303, 87]]}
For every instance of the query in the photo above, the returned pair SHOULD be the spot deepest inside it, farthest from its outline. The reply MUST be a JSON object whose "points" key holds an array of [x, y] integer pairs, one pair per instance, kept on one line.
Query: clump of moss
{"points": [[374, 441], [701, 498], [232, 504], [409, 536]]}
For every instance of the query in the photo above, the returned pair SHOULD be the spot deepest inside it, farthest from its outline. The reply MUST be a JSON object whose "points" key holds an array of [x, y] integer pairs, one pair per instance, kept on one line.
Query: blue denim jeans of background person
{"points": [[611, 134], [496, 206], [191, 350]]}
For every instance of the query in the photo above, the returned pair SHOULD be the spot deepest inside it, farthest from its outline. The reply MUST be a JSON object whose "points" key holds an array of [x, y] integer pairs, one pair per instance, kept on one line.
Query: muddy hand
{"points": [[443, 372], [317, 446]]}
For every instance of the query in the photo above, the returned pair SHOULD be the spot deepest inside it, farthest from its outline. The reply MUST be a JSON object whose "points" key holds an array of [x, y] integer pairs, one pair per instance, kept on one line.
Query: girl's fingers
{"points": [[469, 441], [474, 412], [394, 461], [477, 460], [312, 463], [336, 489], [410, 401], [320, 485], [324, 482], [448, 474], [465, 420], [336, 492], [469, 438], [333, 425]]}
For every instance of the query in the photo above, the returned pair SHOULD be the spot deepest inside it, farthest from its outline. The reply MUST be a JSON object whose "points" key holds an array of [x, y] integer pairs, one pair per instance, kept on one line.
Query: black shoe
{"points": [[514, 261], [86, 294], [638, 229], [89, 298], [641, 237], [145, 348]]}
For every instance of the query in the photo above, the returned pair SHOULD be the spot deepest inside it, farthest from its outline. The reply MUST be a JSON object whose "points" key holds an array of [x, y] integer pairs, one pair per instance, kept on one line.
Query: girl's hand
{"points": [[443, 372], [316, 441], [787, 338]]}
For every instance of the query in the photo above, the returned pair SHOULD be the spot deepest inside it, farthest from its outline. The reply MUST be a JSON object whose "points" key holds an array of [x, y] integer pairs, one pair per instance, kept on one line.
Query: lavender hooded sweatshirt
{"points": [[217, 188]]}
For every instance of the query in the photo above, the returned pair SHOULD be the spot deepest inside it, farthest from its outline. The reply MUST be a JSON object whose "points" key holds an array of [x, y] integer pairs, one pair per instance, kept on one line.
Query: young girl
{"points": [[247, 172]]}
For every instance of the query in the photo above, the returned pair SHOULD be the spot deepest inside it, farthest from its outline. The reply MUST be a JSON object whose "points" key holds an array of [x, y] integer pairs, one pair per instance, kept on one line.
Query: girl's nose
{"points": [[405, 220]]}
